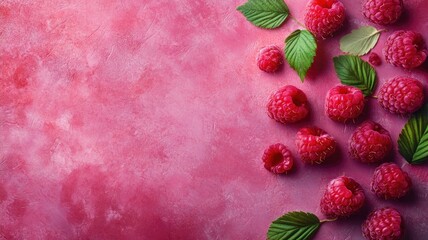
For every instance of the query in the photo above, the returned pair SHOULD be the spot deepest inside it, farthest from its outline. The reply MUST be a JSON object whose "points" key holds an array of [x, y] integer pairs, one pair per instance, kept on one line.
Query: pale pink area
{"points": [[146, 120]]}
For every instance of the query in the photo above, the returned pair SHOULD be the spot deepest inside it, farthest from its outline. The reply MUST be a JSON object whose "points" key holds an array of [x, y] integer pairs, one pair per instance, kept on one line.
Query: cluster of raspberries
{"points": [[370, 143]]}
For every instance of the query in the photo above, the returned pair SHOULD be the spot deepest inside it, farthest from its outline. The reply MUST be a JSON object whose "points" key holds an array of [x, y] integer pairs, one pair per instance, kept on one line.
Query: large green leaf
{"points": [[413, 139], [353, 71], [294, 225], [360, 41], [300, 51], [265, 13]]}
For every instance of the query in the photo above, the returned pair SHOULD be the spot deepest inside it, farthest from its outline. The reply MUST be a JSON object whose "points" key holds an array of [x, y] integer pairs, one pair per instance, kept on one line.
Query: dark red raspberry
{"points": [[343, 197], [370, 143], [324, 17], [390, 182], [374, 59], [383, 12], [278, 159], [383, 224], [401, 95], [406, 49], [270, 59], [344, 103], [314, 145], [288, 105]]}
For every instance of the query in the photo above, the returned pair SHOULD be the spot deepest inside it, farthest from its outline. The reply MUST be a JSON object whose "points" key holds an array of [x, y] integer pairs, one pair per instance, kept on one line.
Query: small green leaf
{"points": [[413, 139], [294, 225], [360, 41], [353, 71], [265, 13], [300, 51]]}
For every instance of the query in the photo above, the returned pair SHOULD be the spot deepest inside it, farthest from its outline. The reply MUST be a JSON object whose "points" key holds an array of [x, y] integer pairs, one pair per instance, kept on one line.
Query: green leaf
{"points": [[413, 139], [360, 41], [353, 71], [294, 225], [300, 51], [265, 13]]}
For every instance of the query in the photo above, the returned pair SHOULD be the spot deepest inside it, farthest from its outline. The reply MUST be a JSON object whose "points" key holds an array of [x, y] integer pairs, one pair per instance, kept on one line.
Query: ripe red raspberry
{"points": [[270, 59], [374, 59], [314, 145], [385, 223], [389, 181], [324, 17], [288, 105], [278, 159], [370, 143], [406, 49], [382, 12], [343, 197], [344, 103], [401, 95]]}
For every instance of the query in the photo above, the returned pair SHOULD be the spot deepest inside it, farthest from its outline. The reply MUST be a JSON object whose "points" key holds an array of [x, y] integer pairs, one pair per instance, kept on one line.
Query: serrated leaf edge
{"points": [[367, 83], [301, 71], [279, 15], [366, 38]]}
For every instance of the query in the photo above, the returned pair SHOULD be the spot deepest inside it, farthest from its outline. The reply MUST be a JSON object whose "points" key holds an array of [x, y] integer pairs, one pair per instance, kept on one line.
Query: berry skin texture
{"points": [[270, 59], [383, 12], [374, 59], [401, 95], [288, 105], [344, 103], [405, 49], [278, 159], [385, 223], [343, 197], [314, 145], [324, 17], [390, 182], [370, 143]]}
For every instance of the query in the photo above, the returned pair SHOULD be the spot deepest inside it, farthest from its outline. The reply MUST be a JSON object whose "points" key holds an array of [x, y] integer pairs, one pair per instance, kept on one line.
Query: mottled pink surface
{"points": [[146, 120]]}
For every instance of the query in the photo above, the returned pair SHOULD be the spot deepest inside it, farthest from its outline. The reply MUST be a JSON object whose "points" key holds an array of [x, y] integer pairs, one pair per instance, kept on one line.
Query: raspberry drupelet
{"points": [[401, 95], [343, 197], [385, 223], [314, 145], [278, 159], [324, 17], [288, 105], [370, 143], [405, 49]]}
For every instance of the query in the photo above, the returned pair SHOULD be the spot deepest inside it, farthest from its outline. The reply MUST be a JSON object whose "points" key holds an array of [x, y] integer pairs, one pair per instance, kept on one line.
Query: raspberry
{"points": [[288, 105], [314, 145], [389, 181], [370, 143], [383, 12], [343, 197], [277, 158], [270, 59], [374, 59], [324, 17], [406, 49], [344, 103], [385, 223], [401, 95]]}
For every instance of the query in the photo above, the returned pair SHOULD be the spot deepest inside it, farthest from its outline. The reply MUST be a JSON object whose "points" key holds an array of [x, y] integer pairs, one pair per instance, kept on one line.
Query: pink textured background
{"points": [[146, 120]]}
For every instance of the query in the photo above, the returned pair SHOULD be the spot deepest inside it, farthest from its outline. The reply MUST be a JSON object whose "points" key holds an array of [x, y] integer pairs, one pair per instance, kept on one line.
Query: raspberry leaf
{"points": [[413, 139], [294, 225], [353, 71], [360, 41], [300, 51], [265, 13]]}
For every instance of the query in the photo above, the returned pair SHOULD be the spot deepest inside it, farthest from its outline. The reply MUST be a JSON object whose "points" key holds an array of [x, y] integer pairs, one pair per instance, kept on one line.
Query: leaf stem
{"points": [[297, 21], [328, 220]]}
